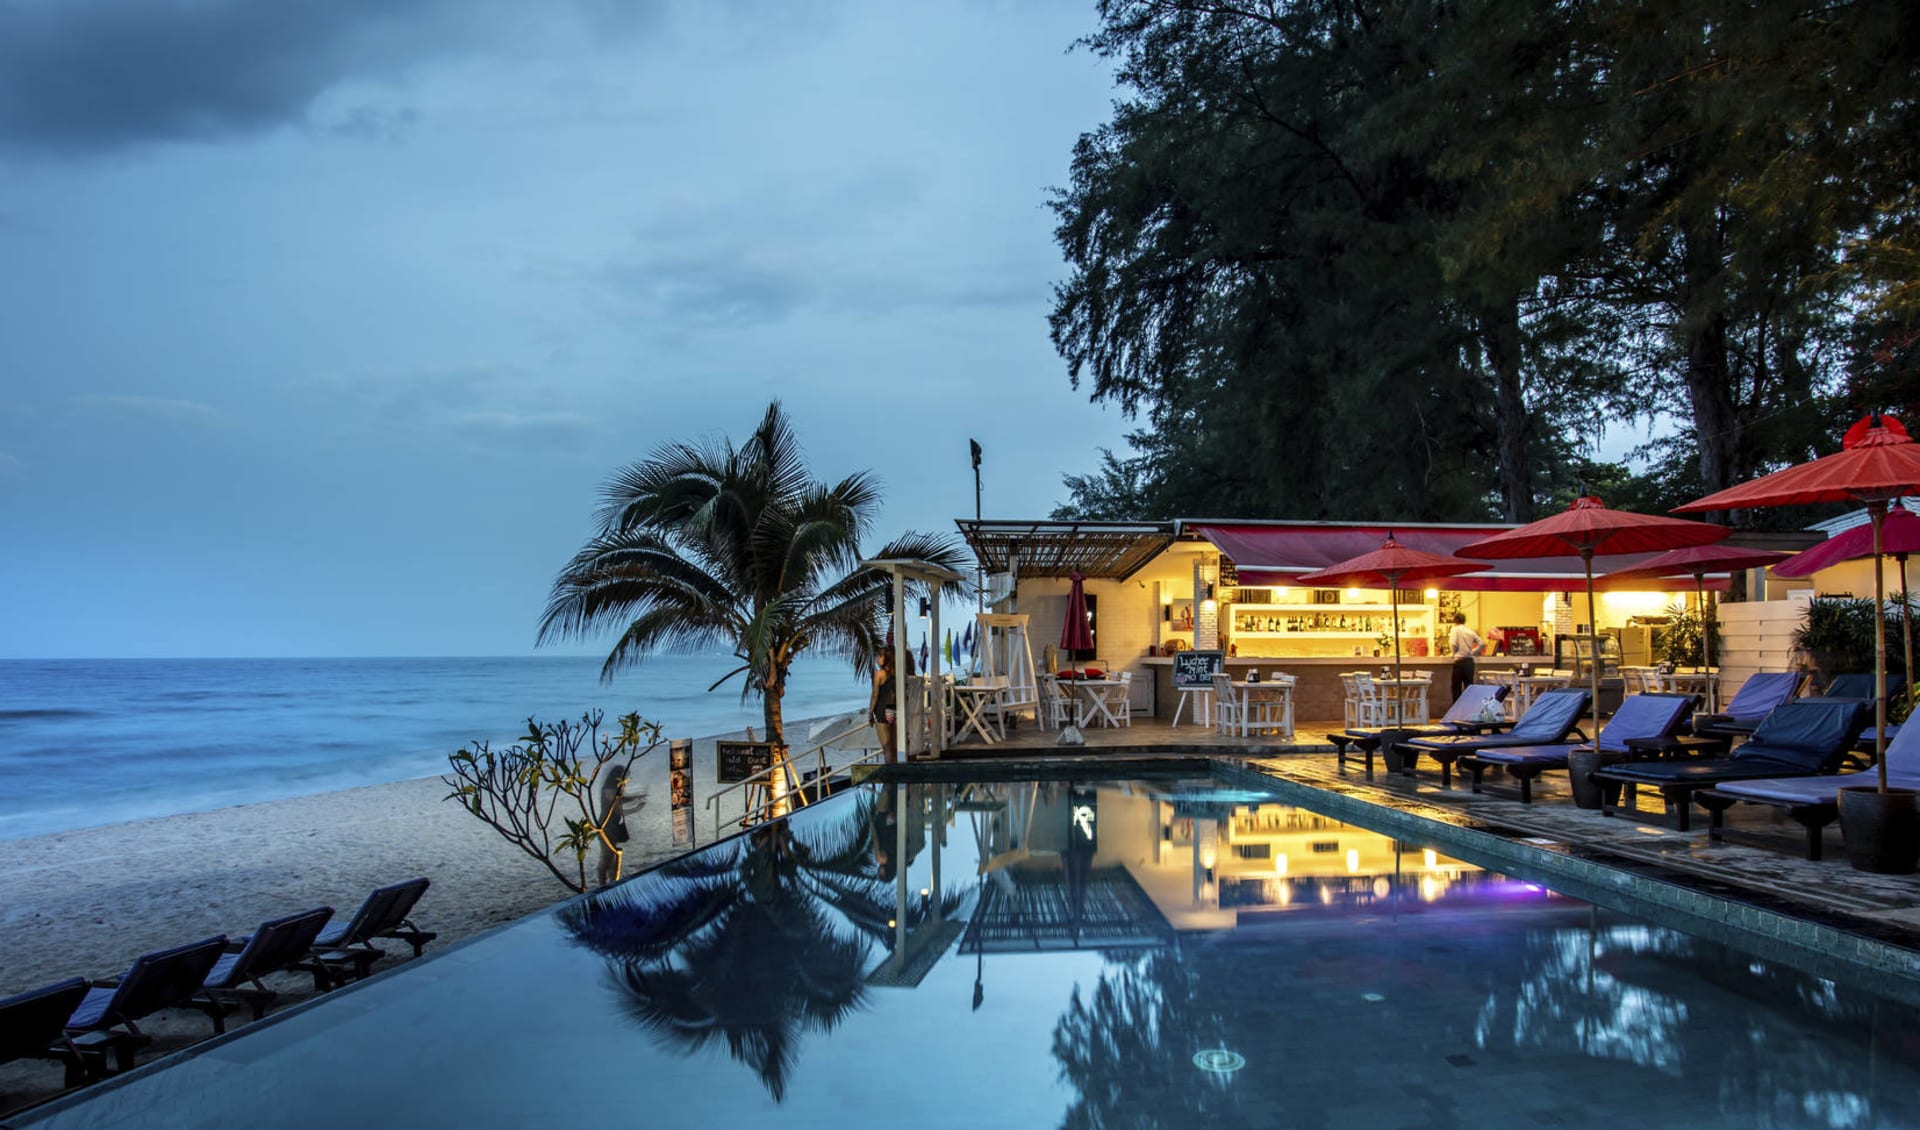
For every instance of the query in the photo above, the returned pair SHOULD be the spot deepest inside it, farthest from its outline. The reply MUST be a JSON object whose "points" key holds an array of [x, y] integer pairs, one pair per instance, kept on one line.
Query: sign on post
{"points": [[738, 761], [680, 789], [1197, 668]]}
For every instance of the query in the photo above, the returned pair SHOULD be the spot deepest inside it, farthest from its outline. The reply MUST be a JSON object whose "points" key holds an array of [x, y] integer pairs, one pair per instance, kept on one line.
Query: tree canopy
{"points": [[1400, 259]]}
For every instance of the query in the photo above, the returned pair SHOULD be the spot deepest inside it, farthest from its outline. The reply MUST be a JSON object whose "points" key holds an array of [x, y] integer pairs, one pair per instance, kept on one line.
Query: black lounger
{"points": [[1640, 716], [1802, 738], [1549, 720], [348, 946], [171, 978], [282, 943], [33, 1026], [1460, 718]]}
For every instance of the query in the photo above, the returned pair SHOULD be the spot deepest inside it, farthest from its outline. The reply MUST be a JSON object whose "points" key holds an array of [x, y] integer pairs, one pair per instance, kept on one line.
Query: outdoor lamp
{"points": [[926, 607]]}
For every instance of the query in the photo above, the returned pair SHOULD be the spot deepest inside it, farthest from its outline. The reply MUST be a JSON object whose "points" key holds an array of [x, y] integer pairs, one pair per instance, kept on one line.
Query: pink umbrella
{"points": [[1899, 536], [1697, 561], [1075, 636]]}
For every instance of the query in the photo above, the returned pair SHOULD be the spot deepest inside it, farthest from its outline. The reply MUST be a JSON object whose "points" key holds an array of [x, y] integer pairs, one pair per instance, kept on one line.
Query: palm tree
{"points": [[739, 547]]}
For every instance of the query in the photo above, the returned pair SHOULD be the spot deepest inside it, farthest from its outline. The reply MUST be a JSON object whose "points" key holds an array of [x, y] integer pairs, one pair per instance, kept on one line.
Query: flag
{"points": [[950, 659], [966, 644], [923, 653]]}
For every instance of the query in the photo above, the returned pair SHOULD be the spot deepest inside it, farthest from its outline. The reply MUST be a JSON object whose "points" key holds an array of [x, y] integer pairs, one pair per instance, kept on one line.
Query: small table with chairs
{"points": [[1243, 706], [1523, 689]]}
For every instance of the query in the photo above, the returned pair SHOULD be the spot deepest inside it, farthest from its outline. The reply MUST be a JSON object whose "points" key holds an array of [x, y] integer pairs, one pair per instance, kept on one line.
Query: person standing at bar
{"points": [[1465, 644]]}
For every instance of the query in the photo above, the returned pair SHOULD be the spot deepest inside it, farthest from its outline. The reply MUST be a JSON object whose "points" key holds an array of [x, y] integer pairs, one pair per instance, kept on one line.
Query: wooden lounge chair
{"points": [[1640, 717], [33, 1026], [1812, 802], [1460, 718], [1803, 738], [345, 947], [280, 944], [109, 1015], [1756, 699], [1548, 721]]}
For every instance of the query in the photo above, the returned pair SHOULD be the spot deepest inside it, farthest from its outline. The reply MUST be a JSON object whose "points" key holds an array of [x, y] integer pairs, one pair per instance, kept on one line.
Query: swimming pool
{"points": [[1168, 951]]}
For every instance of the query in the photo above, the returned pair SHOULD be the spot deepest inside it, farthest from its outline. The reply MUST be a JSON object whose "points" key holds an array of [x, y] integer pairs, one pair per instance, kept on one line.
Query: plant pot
{"points": [[1580, 767], [1881, 830]]}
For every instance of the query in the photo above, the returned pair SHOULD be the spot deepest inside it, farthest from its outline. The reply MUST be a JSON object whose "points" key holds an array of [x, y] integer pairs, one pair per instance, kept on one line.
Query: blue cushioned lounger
{"points": [[1460, 718], [1813, 802], [1639, 716], [1799, 739], [1756, 699], [1548, 721]]}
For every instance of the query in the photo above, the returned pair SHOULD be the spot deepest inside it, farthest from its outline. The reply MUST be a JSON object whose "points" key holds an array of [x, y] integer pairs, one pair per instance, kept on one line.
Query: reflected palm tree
{"points": [[752, 944]]}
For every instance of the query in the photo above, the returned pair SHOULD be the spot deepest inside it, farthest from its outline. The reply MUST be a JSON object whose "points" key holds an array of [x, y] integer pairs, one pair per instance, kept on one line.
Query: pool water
{"points": [[1147, 953]]}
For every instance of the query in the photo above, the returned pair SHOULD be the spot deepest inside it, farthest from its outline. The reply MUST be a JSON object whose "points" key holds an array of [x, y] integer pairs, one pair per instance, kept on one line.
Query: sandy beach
{"points": [[87, 902]]}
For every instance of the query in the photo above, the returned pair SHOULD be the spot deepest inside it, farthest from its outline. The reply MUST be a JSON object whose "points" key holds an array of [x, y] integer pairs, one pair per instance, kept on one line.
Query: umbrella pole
{"points": [[1876, 511], [1706, 638], [1399, 693], [1906, 621], [1593, 628]]}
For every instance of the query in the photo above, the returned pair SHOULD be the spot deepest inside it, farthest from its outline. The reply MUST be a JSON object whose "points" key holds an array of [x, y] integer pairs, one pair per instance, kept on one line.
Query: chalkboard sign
{"points": [[740, 760], [1197, 668]]}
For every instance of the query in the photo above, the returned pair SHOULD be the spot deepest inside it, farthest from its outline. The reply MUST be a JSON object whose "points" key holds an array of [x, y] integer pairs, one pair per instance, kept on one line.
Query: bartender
{"points": [[1465, 644]]}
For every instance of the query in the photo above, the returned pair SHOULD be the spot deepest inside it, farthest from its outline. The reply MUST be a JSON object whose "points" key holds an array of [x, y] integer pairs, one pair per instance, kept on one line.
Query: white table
{"points": [[1703, 683], [1406, 698], [1098, 702], [1271, 699], [1202, 699], [1523, 689]]}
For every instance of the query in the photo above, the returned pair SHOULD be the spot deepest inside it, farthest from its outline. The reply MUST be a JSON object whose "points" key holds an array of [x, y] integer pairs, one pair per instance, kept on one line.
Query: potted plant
{"points": [[1837, 637]]}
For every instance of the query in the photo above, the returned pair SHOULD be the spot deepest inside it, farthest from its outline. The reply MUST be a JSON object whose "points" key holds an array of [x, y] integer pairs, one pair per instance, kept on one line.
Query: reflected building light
{"points": [[1381, 887], [1431, 858], [1326, 893], [1429, 888], [1284, 895], [1353, 861]]}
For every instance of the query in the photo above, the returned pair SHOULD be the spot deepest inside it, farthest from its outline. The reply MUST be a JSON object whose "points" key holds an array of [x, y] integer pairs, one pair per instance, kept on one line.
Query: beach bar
{"points": [[1156, 589]]}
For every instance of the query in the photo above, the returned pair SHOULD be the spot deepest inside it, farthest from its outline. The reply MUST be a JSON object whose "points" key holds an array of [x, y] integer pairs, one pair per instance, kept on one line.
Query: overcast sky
{"points": [[321, 323]]}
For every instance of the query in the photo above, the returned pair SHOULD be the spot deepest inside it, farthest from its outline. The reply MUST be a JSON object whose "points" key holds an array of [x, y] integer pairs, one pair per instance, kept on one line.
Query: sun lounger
{"points": [[33, 1026], [348, 946], [1460, 718], [1802, 738], [1640, 717], [280, 944], [1813, 802], [1852, 685], [1548, 721], [110, 1012], [1757, 698]]}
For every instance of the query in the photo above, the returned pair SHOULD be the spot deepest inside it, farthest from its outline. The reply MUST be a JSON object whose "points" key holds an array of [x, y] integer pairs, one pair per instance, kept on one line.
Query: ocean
{"points": [[86, 742]]}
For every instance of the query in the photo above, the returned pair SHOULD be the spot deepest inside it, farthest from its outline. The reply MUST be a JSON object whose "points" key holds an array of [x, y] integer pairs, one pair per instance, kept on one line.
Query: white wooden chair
{"points": [[1350, 682], [1059, 707], [1118, 700], [1229, 711], [1374, 709]]}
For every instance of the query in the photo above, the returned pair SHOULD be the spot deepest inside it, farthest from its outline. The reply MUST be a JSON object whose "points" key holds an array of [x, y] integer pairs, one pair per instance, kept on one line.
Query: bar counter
{"points": [[1318, 695]]}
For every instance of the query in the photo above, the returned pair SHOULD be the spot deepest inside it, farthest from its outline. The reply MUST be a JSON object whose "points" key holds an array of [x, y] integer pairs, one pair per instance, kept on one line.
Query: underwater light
{"points": [[1220, 1061]]}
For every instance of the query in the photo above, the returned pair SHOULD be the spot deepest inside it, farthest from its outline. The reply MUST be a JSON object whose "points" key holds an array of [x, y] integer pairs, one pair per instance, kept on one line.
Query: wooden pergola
{"points": [[1095, 550]]}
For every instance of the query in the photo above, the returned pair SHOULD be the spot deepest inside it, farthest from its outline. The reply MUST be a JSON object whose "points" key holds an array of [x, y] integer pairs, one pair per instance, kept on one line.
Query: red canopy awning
{"points": [[1276, 553]]}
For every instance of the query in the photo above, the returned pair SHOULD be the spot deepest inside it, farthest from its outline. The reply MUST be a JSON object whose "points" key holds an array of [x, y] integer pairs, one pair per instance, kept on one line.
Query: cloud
{"points": [[556, 430], [155, 407], [102, 76]]}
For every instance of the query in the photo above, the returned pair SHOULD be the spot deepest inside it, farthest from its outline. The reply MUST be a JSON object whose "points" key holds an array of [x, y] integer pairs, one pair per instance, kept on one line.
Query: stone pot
{"points": [[1580, 766], [1881, 830]]}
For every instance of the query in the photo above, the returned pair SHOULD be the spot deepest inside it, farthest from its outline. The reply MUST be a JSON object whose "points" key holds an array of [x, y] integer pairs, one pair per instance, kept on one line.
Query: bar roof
{"points": [[1097, 550]]}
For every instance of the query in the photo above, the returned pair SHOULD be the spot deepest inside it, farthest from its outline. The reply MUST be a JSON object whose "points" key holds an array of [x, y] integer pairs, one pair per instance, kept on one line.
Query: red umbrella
{"points": [[1075, 636], [1389, 567], [1899, 536], [1588, 528], [1877, 462], [1697, 561]]}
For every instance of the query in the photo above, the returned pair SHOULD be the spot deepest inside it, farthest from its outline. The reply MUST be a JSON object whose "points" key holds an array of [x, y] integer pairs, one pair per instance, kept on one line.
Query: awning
{"points": [[1108, 551], [1274, 553]]}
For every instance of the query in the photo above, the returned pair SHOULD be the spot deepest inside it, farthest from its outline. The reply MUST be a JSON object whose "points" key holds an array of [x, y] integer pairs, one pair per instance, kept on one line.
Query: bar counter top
{"points": [[1357, 661]]}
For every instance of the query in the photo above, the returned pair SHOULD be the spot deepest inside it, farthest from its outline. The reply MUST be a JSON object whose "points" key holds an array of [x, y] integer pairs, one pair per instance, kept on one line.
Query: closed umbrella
{"points": [[1590, 528], [1877, 463], [1697, 561], [1076, 638], [1390, 566], [1899, 537]]}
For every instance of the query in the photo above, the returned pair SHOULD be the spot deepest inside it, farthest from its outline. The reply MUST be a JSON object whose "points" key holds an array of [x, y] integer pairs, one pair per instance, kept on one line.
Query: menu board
{"points": [[1197, 668], [739, 760]]}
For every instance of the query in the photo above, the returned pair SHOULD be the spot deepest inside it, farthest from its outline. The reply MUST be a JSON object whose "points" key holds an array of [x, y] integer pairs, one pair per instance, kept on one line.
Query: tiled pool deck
{"points": [[1754, 882]]}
